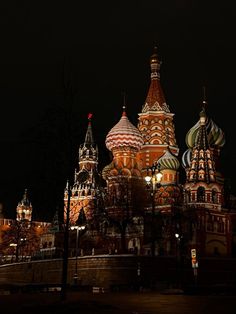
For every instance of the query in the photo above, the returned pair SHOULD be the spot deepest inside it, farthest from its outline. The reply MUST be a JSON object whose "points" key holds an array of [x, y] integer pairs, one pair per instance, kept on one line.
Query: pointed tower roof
{"points": [[89, 134], [155, 100], [25, 200], [88, 150]]}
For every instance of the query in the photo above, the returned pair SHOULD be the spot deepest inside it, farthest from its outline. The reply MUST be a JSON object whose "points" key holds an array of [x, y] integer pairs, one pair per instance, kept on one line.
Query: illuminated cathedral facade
{"points": [[121, 211], [125, 215]]}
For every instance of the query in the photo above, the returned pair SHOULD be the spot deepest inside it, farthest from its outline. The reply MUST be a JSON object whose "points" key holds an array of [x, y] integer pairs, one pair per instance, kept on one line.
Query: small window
{"points": [[201, 194]]}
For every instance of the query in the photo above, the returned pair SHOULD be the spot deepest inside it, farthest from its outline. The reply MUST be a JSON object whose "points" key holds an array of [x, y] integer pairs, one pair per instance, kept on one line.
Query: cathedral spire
{"points": [[155, 100], [155, 65], [89, 133], [156, 120]]}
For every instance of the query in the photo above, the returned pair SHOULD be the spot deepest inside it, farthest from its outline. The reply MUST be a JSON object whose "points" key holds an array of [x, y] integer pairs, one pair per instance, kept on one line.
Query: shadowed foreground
{"points": [[130, 302]]}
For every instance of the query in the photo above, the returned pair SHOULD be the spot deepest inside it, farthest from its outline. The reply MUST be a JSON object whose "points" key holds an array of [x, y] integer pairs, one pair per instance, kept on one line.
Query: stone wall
{"points": [[101, 270], [111, 271]]}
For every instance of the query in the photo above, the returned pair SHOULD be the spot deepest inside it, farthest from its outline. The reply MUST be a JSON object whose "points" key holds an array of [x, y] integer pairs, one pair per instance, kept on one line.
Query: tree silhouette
{"points": [[126, 200], [21, 238]]}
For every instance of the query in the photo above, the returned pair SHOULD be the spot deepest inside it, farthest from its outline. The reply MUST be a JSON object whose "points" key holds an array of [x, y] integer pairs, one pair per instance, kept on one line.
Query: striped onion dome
{"points": [[169, 161], [186, 158], [106, 170], [124, 134], [215, 135]]}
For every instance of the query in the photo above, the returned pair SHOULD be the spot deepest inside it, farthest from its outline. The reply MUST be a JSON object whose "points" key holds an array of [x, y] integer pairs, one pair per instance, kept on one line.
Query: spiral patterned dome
{"points": [[186, 158], [124, 134], [215, 135], [169, 161]]}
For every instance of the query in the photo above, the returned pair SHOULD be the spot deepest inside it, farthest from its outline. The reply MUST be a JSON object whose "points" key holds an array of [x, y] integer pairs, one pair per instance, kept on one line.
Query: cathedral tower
{"points": [[125, 196], [158, 132], [204, 183], [124, 141], [156, 120], [204, 190]]}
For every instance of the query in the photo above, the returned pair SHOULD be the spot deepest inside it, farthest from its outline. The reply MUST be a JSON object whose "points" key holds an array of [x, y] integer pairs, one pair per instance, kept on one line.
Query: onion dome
{"points": [[169, 161], [124, 134], [215, 135], [106, 170], [186, 158]]}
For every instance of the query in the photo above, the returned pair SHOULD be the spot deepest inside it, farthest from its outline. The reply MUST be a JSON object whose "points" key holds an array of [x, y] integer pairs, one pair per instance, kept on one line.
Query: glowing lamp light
{"points": [[148, 179], [159, 177], [77, 227]]}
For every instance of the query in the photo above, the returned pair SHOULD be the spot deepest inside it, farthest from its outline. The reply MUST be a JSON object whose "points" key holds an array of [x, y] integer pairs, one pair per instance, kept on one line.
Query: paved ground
{"points": [[116, 302]]}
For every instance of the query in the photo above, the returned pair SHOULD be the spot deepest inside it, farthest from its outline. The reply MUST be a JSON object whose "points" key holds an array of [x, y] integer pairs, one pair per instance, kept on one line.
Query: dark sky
{"points": [[89, 54]]}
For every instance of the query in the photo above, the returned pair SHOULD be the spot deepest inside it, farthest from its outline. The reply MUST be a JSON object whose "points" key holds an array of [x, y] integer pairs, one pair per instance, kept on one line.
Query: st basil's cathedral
{"points": [[124, 206], [126, 214]]}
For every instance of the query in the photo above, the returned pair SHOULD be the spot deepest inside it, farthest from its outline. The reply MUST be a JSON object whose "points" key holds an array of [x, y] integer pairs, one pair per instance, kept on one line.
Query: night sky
{"points": [[60, 61]]}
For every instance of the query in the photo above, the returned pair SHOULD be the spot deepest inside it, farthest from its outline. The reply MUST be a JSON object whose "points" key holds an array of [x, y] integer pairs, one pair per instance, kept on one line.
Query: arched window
{"points": [[201, 194]]}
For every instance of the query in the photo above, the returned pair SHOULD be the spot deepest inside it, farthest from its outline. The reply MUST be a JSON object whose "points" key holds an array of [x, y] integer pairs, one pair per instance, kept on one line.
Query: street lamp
{"points": [[22, 247], [153, 180], [77, 228], [178, 238]]}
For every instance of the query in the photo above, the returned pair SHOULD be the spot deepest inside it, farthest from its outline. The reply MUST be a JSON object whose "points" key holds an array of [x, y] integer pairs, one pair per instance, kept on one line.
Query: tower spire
{"points": [[155, 119], [124, 104], [155, 65], [204, 101], [89, 134], [86, 177], [155, 100]]}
